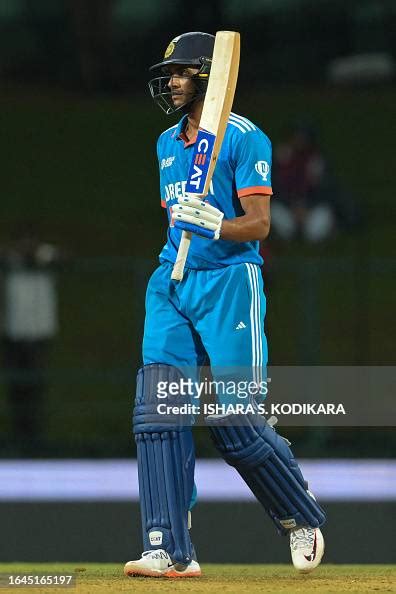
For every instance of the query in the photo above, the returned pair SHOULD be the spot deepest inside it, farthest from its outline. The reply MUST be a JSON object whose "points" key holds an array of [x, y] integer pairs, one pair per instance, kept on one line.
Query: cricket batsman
{"points": [[217, 312]]}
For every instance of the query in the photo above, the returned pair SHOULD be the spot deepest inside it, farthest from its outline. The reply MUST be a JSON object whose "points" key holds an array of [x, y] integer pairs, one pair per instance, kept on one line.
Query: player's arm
{"points": [[253, 225], [252, 157]]}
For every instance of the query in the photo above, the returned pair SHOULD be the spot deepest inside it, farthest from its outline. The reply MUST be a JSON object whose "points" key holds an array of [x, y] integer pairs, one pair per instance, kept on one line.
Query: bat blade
{"points": [[212, 126]]}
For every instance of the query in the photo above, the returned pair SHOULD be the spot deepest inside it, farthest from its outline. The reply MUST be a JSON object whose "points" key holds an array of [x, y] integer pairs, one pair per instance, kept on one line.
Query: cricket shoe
{"points": [[307, 548], [157, 563]]}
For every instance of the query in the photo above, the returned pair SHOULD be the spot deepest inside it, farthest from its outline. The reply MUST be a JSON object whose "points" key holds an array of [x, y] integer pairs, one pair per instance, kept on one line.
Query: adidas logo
{"points": [[240, 326]]}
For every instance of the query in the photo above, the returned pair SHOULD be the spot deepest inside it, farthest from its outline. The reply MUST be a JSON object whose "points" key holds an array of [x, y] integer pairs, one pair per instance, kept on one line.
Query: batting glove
{"points": [[197, 216]]}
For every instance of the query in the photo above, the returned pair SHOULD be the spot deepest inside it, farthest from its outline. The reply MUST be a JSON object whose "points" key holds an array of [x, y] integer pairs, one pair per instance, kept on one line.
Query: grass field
{"points": [[94, 578]]}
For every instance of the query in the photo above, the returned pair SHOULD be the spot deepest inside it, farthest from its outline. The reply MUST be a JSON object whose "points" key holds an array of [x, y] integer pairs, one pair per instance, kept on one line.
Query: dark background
{"points": [[78, 170], [78, 131], [105, 532]]}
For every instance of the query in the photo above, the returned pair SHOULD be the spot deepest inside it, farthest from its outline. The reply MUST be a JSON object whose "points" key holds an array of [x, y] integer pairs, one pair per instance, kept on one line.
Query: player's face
{"points": [[181, 85]]}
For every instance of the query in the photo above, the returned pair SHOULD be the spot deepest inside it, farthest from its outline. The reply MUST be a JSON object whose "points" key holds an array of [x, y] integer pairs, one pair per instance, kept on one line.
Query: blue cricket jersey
{"points": [[243, 168]]}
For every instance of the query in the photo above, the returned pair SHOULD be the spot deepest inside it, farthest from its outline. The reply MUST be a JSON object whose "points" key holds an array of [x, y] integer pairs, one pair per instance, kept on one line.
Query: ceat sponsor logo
{"points": [[291, 523], [200, 163], [155, 537]]}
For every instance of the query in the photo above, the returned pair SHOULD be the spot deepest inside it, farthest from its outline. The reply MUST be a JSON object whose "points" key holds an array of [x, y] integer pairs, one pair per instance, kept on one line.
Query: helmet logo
{"points": [[169, 50]]}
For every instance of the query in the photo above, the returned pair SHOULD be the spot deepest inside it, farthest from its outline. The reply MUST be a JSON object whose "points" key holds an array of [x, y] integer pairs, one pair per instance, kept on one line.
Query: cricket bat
{"points": [[212, 126]]}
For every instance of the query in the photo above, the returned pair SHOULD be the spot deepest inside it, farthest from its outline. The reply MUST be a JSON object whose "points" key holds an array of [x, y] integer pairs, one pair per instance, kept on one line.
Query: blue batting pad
{"points": [[166, 460], [267, 465]]}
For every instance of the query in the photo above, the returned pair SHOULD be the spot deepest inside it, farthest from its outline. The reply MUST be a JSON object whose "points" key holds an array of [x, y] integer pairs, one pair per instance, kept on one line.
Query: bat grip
{"points": [[178, 267]]}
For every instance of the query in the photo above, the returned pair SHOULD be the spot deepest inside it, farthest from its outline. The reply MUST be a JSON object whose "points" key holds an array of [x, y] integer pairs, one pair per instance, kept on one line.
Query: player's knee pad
{"points": [[165, 453], [267, 465]]}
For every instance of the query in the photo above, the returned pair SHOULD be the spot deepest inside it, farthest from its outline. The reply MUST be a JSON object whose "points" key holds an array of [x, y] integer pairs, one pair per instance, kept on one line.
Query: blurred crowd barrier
{"points": [[102, 44]]}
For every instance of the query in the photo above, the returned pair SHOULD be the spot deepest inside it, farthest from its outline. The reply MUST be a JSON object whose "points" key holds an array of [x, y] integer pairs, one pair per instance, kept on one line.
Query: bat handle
{"points": [[178, 267]]}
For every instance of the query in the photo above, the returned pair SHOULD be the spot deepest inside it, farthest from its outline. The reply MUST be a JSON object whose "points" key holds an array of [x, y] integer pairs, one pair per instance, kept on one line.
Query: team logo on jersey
{"points": [[167, 162], [262, 169]]}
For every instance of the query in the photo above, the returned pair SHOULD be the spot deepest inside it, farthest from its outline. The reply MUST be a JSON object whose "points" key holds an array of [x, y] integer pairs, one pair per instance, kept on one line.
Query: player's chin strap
{"points": [[165, 453], [267, 465]]}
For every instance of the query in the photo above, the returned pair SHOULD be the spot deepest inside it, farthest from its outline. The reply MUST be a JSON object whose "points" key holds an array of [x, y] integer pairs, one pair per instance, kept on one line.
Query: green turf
{"points": [[95, 579]]}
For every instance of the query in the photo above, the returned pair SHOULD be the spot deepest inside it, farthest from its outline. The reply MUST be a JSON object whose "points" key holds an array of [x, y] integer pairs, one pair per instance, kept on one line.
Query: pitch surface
{"points": [[229, 579]]}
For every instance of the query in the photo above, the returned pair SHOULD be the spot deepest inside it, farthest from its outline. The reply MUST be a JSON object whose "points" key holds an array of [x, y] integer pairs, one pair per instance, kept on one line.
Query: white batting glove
{"points": [[197, 216]]}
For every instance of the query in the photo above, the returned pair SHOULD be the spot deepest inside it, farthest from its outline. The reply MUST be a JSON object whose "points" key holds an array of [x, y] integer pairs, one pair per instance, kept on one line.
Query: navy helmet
{"points": [[193, 49]]}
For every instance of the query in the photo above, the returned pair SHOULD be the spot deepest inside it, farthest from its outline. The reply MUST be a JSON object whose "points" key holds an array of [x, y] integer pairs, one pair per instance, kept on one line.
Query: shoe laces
{"points": [[302, 538], [155, 554]]}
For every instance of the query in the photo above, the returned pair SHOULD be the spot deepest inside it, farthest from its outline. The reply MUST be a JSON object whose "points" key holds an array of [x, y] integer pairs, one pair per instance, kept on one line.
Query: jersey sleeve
{"points": [[161, 184], [253, 162]]}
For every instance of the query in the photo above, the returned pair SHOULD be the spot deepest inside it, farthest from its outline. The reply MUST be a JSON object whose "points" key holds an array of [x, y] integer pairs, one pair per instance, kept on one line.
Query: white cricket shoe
{"points": [[307, 548], [157, 563]]}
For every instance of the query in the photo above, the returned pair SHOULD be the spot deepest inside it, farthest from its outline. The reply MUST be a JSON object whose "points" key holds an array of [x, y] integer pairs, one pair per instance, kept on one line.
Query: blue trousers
{"points": [[218, 312], [215, 314]]}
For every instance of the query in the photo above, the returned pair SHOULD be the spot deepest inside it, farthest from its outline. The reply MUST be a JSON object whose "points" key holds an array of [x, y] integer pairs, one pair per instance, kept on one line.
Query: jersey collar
{"points": [[180, 134]]}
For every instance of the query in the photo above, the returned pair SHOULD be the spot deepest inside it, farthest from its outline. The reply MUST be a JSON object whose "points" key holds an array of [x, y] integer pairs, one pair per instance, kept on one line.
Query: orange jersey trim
{"points": [[267, 190], [163, 203], [186, 141]]}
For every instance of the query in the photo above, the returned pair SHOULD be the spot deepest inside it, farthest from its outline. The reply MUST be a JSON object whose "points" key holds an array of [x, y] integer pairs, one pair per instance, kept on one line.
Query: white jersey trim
{"points": [[243, 130], [243, 121], [255, 322]]}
